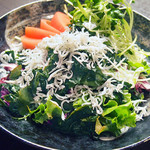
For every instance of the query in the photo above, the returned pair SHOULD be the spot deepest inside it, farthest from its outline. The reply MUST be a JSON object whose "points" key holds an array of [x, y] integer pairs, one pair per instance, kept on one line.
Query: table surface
{"points": [[141, 6]]}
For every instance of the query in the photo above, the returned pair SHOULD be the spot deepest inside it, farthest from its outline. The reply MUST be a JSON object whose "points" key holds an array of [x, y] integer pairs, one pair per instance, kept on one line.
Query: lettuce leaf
{"points": [[44, 112], [136, 65], [119, 116], [15, 73]]}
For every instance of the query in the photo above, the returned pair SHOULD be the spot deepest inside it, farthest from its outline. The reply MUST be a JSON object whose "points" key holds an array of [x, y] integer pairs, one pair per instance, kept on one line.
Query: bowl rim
{"points": [[37, 1], [21, 6], [36, 145]]}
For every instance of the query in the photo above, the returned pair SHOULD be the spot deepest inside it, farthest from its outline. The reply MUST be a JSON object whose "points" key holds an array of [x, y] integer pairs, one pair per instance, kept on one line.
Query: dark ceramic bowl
{"points": [[13, 24]]}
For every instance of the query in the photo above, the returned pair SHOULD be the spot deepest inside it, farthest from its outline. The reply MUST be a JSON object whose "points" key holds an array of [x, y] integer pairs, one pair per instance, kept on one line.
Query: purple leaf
{"points": [[144, 85], [2, 80], [9, 67], [3, 92]]}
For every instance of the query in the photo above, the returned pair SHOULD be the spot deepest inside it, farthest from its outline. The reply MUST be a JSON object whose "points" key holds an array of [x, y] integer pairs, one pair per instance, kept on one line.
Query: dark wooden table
{"points": [[8, 142]]}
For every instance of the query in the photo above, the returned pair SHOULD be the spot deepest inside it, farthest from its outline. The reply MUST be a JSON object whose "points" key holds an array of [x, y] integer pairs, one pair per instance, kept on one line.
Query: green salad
{"points": [[91, 79]]}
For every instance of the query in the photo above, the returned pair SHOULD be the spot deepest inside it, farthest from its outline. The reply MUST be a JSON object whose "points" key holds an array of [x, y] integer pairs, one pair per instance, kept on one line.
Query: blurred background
{"points": [[8, 142]]}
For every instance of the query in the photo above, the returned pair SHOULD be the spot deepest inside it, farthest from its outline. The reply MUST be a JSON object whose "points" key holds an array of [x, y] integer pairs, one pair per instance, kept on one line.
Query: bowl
{"points": [[12, 24]]}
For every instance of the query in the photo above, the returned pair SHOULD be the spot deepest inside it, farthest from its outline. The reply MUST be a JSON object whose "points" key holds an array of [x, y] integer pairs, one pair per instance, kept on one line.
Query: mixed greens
{"points": [[91, 79]]}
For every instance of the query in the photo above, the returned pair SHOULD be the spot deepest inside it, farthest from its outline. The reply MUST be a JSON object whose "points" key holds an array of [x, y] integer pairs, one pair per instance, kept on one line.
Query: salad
{"points": [[87, 77]]}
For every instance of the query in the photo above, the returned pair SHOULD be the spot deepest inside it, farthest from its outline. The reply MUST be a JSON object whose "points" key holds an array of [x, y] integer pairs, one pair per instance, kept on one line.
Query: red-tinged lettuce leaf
{"points": [[9, 67], [144, 85], [2, 80]]}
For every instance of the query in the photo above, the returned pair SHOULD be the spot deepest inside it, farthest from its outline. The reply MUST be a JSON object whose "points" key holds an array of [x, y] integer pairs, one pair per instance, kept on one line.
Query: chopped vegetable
{"points": [[45, 24], [47, 28], [29, 43], [37, 33], [60, 21]]}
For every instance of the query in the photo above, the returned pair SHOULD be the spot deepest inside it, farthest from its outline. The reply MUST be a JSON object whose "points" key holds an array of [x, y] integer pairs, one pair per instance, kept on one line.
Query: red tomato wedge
{"points": [[47, 28], [60, 21], [29, 43], [37, 33], [45, 24]]}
